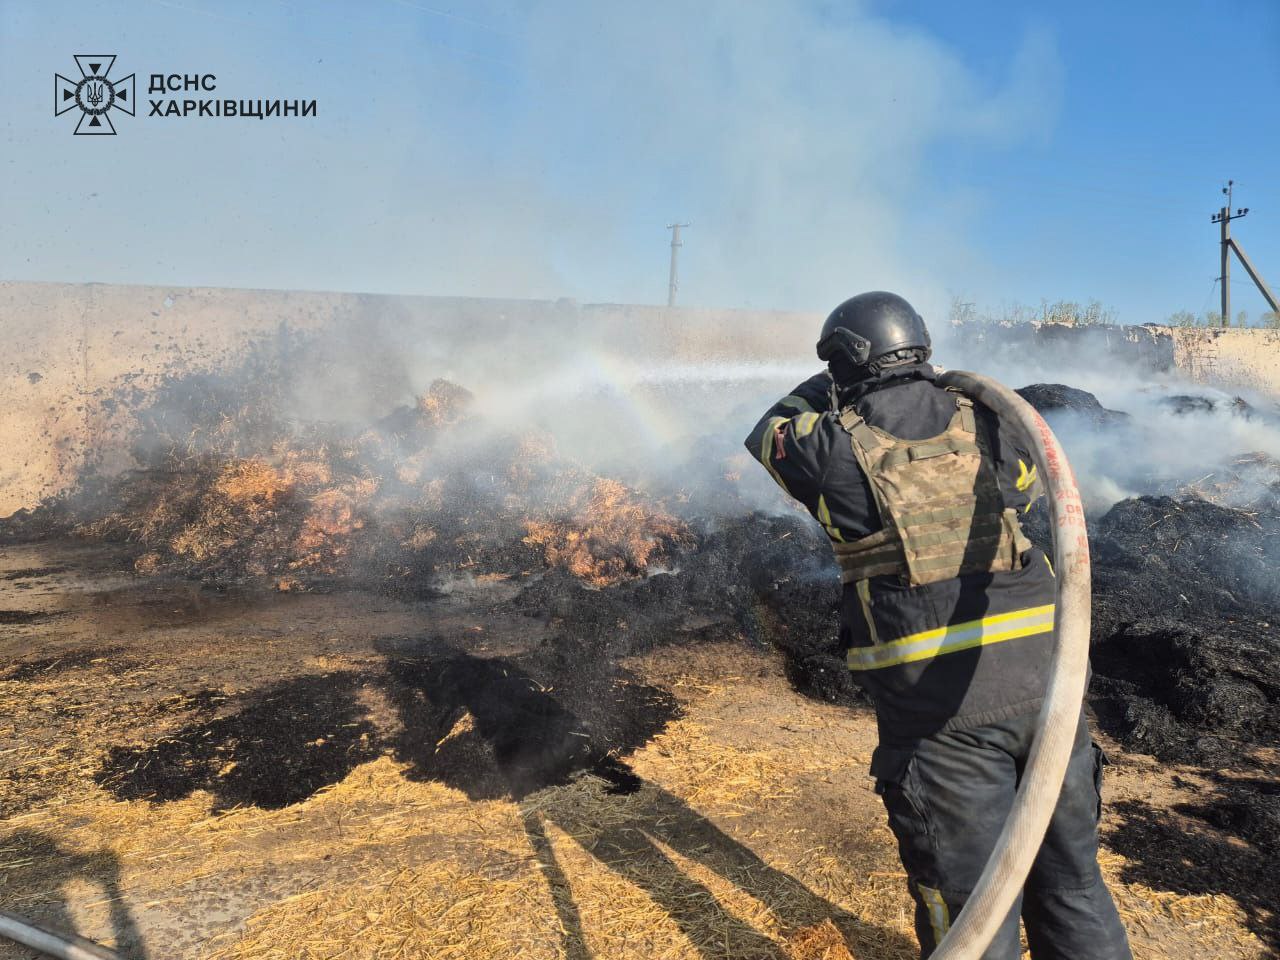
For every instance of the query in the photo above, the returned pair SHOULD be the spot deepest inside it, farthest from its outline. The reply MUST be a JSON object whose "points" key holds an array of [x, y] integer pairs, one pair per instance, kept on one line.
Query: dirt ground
{"points": [[190, 773]]}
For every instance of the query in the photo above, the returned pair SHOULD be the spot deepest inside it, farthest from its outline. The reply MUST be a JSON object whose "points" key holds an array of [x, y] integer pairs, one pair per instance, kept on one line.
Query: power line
{"points": [[1213, 285]]}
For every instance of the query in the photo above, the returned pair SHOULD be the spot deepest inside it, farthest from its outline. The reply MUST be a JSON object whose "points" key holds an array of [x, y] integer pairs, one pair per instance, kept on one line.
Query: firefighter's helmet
{"points": [[869, 333]]}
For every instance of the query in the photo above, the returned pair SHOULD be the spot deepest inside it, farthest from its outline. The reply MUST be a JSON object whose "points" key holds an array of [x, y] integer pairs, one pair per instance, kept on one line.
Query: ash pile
{"points": [[1186, 595], [1186, 628]]}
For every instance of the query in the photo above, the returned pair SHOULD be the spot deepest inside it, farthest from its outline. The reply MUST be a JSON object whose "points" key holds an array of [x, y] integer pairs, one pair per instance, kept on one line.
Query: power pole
{"points": [[673, 280], [1224, 216], [1224, 219]]}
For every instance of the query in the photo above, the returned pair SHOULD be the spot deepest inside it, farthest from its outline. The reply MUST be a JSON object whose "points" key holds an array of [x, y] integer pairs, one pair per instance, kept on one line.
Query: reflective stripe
{"points": [[796, 403], [954, 638], [805, 423], [824, 518], [939, 915], [766, 449]]}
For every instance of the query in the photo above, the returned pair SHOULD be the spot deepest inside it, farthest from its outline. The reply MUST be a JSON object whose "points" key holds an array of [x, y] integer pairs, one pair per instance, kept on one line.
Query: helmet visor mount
{"points": [[844, 343]]}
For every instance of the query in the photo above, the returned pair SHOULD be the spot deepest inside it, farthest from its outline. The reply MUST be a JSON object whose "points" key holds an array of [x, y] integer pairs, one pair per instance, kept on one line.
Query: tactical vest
{"points": [[939, 501]]}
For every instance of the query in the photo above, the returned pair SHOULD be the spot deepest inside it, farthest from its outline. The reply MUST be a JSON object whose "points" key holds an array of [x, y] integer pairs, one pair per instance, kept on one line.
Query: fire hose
{"points": [[1019, 842], [60, 945]]}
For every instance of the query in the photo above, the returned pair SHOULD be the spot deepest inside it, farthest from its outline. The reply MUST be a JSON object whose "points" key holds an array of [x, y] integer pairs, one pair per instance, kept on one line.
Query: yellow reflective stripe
{"points": [[824, 514], [939, 915], [766, 449], [954, 638], [1025, 477], [864, 597], [824, 518], [796, 403], [805, 423]]}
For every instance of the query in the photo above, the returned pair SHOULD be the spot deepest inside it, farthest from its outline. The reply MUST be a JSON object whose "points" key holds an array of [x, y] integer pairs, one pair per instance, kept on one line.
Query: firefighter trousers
{"points": [[947, 799]]}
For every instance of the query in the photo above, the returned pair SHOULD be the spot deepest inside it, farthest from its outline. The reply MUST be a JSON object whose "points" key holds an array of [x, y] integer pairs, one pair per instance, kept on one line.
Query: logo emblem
{"points": [[94, 94]]}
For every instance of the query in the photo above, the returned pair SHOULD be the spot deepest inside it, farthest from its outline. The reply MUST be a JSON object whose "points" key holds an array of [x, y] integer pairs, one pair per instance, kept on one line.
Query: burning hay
{"points": [[243, 496], [611, 535], [502, 764]]}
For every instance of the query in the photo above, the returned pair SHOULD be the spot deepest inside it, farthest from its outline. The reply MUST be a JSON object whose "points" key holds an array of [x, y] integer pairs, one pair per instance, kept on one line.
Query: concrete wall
{"points": [[1246, 359], [1146, 348]]}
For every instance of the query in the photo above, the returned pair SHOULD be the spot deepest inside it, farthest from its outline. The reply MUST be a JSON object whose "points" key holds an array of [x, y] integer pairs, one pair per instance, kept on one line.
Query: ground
{"points": [[190, 773]]}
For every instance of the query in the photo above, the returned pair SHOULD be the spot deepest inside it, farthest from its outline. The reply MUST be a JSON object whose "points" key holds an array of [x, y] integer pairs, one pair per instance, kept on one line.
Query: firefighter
{"points": [[946, 619]]}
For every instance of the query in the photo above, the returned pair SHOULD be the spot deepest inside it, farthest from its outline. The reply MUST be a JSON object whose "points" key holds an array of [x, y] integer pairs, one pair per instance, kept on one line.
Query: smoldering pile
{"points": [[1186, 597], [230, 490], [232, 486]]}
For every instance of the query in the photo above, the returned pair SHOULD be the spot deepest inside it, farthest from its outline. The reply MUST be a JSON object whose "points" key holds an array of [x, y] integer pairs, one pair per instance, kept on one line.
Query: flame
{"points": [[611, 535], [235, 493]]}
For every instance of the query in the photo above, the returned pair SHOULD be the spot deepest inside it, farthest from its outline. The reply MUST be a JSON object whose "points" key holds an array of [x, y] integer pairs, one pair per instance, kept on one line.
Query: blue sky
{"points": [[995, 152]]}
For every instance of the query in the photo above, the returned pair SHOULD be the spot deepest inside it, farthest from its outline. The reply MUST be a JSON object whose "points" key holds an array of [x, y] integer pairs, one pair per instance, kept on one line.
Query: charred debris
{"points": [[231, 490]]}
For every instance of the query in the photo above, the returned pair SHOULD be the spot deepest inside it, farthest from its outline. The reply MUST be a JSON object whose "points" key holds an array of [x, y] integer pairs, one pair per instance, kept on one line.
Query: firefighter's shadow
{"points": [[39, 891], [492, 728], [643, 837]]}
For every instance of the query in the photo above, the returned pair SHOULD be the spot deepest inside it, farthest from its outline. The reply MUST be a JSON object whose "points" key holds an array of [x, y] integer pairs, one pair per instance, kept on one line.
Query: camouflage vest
{"points": [[939, 502]]}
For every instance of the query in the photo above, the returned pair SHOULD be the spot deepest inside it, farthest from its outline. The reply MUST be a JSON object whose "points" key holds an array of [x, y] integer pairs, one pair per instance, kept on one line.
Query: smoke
{"points": [[797, 141], [539, 152], [1163, 451], [607, 390], [1168, 434], [526, 151]]}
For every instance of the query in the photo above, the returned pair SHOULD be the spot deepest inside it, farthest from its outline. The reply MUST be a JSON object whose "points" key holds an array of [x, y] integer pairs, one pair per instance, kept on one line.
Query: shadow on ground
{"points": [[635, 848], [492, 727], [1227, 844], [277, 746], [37, 895]]}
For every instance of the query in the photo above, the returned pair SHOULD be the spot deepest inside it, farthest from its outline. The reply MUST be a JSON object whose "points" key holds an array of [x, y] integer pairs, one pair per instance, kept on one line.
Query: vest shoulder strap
{"points": [[964, 418], [865, 440]]}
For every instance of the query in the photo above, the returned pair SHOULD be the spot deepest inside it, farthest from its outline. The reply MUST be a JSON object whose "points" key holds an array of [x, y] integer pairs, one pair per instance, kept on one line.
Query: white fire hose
{"points": [[1019, 842], [60, 945]]}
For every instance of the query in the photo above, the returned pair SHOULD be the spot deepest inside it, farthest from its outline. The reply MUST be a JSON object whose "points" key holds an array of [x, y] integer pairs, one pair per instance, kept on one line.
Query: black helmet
{"points": [[870, 332]]}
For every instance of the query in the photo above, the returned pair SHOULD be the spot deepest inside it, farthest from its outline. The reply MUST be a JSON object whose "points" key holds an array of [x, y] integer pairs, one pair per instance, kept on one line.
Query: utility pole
{"points": [[673, 280], [1224, 216]]}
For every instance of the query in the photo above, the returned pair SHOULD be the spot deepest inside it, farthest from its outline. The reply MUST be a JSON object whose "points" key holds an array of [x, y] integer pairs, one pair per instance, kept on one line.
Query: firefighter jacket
{"points": [[947, 611]]}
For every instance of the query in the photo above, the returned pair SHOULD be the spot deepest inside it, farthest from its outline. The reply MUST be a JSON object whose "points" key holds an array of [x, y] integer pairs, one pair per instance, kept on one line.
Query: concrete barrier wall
{"points": [[1233, 358]]}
